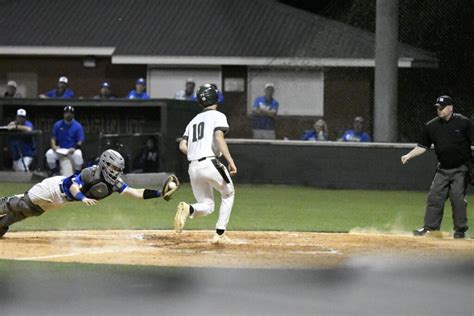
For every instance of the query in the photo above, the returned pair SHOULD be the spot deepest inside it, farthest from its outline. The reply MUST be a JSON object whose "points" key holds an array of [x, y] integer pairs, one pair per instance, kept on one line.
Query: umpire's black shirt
{"points": [[452, 140]]}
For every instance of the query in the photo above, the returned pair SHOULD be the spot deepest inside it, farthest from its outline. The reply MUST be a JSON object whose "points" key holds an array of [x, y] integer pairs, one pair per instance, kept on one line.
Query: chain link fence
{"points": [[442, 27]]}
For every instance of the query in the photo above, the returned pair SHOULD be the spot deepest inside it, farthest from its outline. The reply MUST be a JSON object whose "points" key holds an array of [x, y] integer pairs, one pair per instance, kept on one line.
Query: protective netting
{"points": [[445, 28]]}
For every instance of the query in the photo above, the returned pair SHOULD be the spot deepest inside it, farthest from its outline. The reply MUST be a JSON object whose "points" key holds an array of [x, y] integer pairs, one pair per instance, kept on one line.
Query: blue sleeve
{"points": [[130, 95], [54, 133], [146, 96], [366, 138], [80, 133], [344, 136], [78, 180], [220, 97], [29, 124], [51, 93], [69, 94], [120, 186], [275, 105], [256, 103]]}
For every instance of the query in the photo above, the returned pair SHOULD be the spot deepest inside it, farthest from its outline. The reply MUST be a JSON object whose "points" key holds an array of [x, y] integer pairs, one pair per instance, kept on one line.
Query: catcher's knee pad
{"points": [[23, 205]]}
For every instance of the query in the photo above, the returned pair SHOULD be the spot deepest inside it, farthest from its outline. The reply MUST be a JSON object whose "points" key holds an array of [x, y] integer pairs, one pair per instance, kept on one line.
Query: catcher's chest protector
{"points": [[95, 187]]}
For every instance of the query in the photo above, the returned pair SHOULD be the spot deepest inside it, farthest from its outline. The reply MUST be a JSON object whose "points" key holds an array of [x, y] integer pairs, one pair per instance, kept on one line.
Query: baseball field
{"points": [[275, 226], [295, 250]]}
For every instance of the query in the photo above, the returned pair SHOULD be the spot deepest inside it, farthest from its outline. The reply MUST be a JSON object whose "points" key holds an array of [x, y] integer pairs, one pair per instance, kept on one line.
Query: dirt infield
{"points": [[248, 249]]}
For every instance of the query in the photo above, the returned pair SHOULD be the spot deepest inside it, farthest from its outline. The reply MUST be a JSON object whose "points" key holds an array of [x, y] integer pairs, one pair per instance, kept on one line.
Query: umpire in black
{"points": [[452, 135]]}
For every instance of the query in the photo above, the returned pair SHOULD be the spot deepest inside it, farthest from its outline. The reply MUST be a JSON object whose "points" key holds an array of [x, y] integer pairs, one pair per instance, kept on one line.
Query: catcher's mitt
{"points": [[168, 190]]}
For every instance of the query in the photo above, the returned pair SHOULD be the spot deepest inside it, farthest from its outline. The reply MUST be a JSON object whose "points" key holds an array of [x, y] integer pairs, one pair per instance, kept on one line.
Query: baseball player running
{"points": [[89, 186], [203, 141]]}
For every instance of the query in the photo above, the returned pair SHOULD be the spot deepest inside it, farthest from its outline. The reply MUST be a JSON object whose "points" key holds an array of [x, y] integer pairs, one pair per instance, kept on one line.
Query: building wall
{"points": [[348, 93], [84, 81], [164, 82]]}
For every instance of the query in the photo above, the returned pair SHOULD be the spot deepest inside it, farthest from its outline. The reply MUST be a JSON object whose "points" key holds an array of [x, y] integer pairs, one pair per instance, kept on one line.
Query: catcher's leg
{"points": [[18, 207]]}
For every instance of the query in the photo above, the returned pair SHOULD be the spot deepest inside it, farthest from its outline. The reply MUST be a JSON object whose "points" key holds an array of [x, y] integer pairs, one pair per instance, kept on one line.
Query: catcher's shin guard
{"points": [[16, 208]]}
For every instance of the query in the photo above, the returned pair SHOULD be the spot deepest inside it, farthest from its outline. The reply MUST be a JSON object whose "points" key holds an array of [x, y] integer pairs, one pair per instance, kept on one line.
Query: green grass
{"points": [[256, 208]]}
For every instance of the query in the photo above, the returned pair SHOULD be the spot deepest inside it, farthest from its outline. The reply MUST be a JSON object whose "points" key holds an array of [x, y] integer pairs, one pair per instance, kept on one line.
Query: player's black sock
{"points": [[220, 231], [191, 210]]}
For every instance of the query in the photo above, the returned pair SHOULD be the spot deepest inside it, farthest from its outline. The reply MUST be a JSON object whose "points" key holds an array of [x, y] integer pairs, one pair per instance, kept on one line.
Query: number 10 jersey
{"points": [[200, 134]]}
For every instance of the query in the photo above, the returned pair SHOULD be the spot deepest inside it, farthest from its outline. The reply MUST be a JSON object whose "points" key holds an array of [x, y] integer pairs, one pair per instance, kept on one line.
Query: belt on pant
{"points": [[204, 158]]}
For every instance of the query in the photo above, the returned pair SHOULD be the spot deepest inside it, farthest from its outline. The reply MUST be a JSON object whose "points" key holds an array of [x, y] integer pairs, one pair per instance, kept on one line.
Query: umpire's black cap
{"points": [[443, 101], [68, 108]]}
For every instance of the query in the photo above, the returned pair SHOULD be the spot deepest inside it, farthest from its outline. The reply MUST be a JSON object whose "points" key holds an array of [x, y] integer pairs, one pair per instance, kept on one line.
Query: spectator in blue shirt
{"points": [[318, 133], [105, 91], [61, 92], [139, 92], [356, 134], [188, 92], [67, 138], [22, 148], [265, 109]]}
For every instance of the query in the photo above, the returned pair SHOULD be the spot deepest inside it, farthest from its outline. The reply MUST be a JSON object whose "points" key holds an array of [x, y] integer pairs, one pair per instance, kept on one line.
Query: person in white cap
{"points": [[11, 90], [188, 92], [265, 109], [61, 92], [22, 147]]}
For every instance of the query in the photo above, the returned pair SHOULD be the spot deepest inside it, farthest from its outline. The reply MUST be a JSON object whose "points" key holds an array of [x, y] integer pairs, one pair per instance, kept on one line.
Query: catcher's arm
{"points": [[145, 194], [412, 154], [79, 196]]}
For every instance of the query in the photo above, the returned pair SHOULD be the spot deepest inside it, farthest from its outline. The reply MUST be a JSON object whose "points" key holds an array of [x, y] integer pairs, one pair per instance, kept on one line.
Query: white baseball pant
{"points": [[47, 194], [76, 159], [204, 178], [18, 164]]}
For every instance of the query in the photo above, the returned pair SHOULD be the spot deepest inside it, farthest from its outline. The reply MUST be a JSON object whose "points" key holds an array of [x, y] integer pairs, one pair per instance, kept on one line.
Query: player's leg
{"points": [[47, 194], [457, 196], [14, 209], [77, 160], [435, 203], [222, 182], [51, 159], [203, 194]]}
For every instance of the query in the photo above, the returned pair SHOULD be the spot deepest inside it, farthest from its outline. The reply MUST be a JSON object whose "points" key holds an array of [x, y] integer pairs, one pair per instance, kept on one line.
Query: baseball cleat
{"points": [[182, 214], [423, 231], [459, 234], [220, 239], [3, 231]]}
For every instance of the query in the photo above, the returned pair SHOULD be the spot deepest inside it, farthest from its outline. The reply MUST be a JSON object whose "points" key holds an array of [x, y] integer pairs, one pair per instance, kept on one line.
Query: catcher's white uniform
{"points": [[205, 170]]}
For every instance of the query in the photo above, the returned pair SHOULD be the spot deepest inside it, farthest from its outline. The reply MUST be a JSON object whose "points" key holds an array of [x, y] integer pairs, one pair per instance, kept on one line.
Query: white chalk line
{"points": [[82, 253]]}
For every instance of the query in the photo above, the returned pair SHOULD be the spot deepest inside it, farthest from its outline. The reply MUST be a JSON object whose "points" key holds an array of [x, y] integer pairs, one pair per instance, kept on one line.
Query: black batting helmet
{"points": [[207, 95]]}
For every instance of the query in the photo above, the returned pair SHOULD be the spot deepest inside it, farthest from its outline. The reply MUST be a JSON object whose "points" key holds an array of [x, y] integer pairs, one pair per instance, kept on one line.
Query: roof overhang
{"points": [[206, 60], [56, 51], [264, 61]]}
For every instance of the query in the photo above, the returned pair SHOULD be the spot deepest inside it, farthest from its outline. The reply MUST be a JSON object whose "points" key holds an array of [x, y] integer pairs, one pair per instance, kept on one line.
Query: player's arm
{"points": [[224, 149], [417, 151], [53, 144], [271, 112], [78, 195], [423, 145], [183, 145], [169, 187], [22, 128]]}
